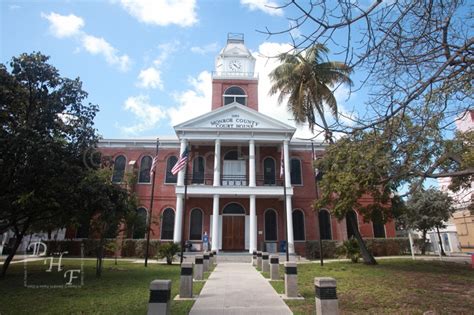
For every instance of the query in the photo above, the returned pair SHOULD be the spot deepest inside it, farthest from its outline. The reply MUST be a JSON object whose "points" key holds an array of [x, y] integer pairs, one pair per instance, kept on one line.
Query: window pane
{"points": [[295, 172], [145, 167], [269, 171], [325, 225], [377, 223], [270, 225], [228, 100], [139, 228], [298, 225], [119, 169], [167, 224], [170, 178], [196, 225], [350, 215], [241, 100], [198, 170], [233, 208], [234, 90]]}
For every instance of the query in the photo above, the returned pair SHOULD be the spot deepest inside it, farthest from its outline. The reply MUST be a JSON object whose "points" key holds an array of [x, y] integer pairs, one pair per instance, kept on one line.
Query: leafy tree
{"points": [[428, 209], [308, 79], [46, 131]]}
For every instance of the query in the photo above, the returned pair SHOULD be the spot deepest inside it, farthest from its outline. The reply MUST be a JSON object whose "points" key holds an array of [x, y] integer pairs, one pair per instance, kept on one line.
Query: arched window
{"points": [[231, 155], [235, 94], [325, 224], [295, 168], [269, 171], [195, 225], [139, 226], [198, 170], [377, 224], [233, 208], [119, 169], [170, 178], [167, 224], [298, 225], [145, 166], [270, 225], [351, 215]]}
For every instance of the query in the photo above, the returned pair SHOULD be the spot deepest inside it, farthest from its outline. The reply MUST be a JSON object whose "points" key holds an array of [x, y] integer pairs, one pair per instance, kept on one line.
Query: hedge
{"points": [[377, 246], [127, 247]]}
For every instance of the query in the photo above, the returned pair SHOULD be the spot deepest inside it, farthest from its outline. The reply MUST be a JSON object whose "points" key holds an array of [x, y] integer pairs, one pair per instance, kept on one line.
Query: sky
{"points": [[148, 64]]}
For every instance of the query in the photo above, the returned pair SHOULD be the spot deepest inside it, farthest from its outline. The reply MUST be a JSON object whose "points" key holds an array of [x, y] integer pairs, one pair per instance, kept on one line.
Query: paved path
{"points": [[238, 288]]}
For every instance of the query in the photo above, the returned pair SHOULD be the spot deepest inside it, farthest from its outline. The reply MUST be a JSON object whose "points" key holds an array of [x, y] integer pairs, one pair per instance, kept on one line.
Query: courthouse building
{"points": [[235, 192]]}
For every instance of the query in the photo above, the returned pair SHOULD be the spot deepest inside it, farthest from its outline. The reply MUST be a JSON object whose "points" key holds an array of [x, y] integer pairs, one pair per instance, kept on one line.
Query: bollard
{"points": [[214, 252], [211, 259], [198, 267], [160, 294], [326, 297], [259, 260], [186, 282], [206, 262], [254, 258], [274, 267], [265, 263], [291, 280]]}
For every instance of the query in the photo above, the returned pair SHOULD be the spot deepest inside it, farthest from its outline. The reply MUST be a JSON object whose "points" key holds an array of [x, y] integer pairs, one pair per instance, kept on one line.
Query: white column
{"points": [[289, 225], [253, 224], [184, 143], [217, 163], [252, 181], [178, 218], [286, 156], [215, 224]]}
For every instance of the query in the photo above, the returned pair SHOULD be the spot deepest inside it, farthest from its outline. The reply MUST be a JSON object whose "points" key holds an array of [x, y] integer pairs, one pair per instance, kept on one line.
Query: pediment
{"points": [[235, 117]]}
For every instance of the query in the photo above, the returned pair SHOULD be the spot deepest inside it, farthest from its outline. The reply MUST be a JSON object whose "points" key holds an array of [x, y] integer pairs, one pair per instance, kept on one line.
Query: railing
{"points": [[233, 180], [234, 74]]}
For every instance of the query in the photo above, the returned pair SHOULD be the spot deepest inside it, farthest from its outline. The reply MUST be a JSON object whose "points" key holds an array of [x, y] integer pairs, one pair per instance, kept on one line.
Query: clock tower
{"points": [[234, 79]]}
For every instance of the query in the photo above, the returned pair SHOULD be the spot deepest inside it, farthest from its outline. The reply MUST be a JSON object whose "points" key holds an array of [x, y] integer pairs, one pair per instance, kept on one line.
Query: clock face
{"points": [[235, 65]]}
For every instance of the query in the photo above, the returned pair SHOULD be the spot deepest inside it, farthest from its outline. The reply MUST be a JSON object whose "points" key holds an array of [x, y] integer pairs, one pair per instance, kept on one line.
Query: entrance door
{"points": [[233, 233]]}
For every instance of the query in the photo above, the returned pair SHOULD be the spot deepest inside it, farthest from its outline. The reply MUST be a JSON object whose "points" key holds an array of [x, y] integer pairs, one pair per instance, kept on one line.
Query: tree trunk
{"points": [[366, 255], [440, 243], [10, 256], [100, 255], [423, 245]]}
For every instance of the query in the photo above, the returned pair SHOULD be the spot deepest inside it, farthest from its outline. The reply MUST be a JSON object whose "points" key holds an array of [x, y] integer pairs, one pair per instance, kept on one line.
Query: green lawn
{"points": [[123, 289], [392, 287]]}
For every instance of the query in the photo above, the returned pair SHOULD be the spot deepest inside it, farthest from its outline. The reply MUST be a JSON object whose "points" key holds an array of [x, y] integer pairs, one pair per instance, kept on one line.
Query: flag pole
{"points": [[319, 210], [150, 212], [183, 221]]}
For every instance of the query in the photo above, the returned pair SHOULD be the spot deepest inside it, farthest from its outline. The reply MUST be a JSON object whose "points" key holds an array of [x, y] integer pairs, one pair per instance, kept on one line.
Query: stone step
{"points": [[233, 257]]}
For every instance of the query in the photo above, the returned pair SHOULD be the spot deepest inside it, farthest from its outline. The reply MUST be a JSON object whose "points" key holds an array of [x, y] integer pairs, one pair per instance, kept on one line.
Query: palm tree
{"points": [[307, 78]]}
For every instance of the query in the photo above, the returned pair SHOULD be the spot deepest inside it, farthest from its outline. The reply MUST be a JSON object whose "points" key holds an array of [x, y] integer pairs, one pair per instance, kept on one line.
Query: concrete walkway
{"points": [[238, 288]]}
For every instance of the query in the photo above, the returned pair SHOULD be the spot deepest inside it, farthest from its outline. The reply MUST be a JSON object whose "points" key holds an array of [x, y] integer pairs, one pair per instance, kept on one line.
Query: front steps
{"points": [[238, 257]]}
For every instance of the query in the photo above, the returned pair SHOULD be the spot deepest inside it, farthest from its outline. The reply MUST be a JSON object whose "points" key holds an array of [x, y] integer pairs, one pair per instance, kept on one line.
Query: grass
{"points": [[392, 287], [123, 289]]}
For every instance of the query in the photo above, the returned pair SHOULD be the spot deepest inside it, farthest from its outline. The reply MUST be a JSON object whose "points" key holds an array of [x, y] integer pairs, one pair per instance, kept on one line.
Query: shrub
{"points": [[388, 246], [137, 248], [329, 249], [168, 251], [350, 249]]}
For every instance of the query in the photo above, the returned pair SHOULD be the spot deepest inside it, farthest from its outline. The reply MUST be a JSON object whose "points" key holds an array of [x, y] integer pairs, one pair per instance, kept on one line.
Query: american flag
{"points": [[153, 165], [181, 162], [282, 166]]}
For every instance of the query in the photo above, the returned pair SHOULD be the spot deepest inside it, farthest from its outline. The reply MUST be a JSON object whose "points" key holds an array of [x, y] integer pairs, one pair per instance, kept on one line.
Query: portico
{"points": [[236, 150]]}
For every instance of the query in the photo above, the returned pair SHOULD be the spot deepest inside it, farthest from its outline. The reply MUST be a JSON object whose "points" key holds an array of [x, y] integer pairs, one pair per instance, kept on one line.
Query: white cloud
{"points": [[202, 50], [193, 102], [99, 46], [147, 115], [162, 12], [62, 26], [150, 78], [267, 6]]}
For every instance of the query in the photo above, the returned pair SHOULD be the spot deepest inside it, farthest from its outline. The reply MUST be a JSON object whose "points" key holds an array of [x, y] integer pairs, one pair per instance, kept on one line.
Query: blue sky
{"points": [[147, 64]]}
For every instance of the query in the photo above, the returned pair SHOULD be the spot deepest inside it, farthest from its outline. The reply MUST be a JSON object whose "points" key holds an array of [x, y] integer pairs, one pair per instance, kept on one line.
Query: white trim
{"points": [[161, 222], [265, 225], [202, 223], [304, 224], [330, 223]]}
